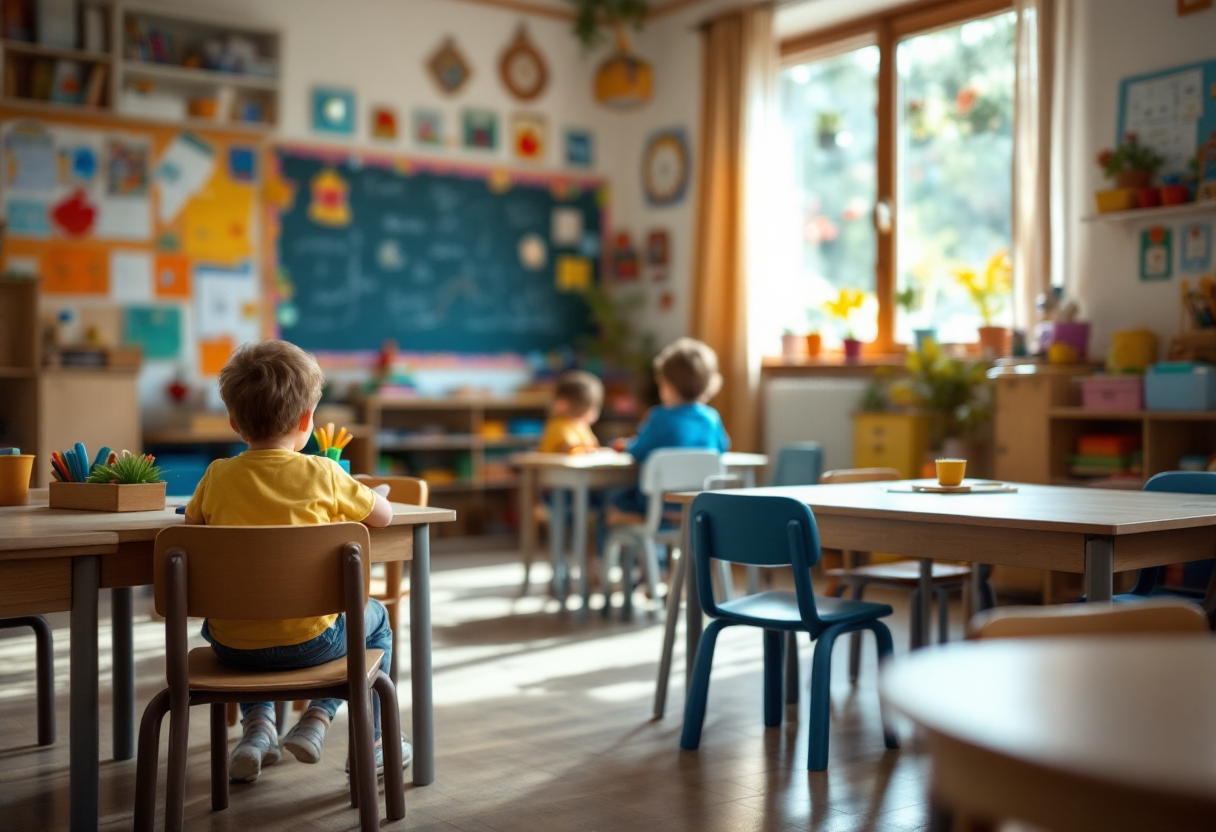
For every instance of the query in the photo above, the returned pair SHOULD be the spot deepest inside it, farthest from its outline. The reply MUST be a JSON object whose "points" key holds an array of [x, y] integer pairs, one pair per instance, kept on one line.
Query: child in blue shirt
{"points": [[687, 375]]}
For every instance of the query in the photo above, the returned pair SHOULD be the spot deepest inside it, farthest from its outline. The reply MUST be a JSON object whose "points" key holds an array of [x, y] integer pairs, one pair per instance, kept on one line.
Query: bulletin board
{"points": [[1172, 111], [155, 221], [439, 257]]}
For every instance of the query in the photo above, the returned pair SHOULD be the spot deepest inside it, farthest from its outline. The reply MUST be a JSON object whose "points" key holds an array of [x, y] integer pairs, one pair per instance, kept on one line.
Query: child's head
{"points": [[579, 395], [271, 389], [687, 371]]}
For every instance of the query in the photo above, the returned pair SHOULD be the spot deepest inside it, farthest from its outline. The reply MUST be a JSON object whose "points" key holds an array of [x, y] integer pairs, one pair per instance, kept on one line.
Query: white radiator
{"points": [[817, 409]]}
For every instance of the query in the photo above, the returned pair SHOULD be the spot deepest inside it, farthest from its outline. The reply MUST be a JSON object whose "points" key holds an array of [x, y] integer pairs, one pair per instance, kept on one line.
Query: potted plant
{"points": [[623, 80], [617, 344], [990, 292], [842, 309], [955, 391], [793, 345], [827, 128], [1132, 166]]}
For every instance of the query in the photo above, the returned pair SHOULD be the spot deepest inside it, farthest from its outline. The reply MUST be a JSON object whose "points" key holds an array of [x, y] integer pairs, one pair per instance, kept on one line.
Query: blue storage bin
{"points": [[1180, 385], [182, 472]]}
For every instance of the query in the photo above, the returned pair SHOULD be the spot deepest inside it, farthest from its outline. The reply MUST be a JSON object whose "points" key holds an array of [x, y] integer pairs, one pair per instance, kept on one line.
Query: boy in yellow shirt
{"points": [[576, 407], [271, 389]]}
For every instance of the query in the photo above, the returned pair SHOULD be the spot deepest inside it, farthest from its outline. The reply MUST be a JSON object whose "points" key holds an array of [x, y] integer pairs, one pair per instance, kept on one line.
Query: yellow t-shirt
{"points": [[563, 433], [276, 488]]}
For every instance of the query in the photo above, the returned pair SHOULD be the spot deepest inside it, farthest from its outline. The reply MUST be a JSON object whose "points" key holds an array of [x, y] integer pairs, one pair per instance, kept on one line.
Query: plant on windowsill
{"points": [[827, 128], [990, 292], [847, 301], [1130, 164], [954, 390]]}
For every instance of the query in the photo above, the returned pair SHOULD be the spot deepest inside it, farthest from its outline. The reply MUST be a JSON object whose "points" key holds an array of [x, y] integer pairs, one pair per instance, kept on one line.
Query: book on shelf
{"points": [[66, 86], [95, 89], [42, 77]]}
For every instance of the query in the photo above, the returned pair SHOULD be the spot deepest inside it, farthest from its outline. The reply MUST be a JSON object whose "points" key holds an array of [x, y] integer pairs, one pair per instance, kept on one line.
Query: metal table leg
{"points": [[420, 658], [557, 544], [1099, 568], [84, 754], [578, 540], [123, 675], [926, 601], [693, 623], [527, 521]]}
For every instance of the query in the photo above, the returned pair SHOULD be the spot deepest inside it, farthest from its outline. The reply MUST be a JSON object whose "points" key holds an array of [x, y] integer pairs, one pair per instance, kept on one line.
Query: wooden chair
{"points": [[44, 671], [904, 574], [286, 572], [1155, 615]]}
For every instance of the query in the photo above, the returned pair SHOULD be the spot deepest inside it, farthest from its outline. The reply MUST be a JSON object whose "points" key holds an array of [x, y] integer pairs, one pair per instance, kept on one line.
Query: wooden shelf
{"points": [[55, 107], [1083, 414], [197, 76], [22, 47], [1164, 213], [103, 111], [18, 372], [454, 442]]}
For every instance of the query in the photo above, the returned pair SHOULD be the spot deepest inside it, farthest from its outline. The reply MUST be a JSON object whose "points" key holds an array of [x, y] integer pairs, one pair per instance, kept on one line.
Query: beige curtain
{"points": [[738, 72], [1034, 105]]}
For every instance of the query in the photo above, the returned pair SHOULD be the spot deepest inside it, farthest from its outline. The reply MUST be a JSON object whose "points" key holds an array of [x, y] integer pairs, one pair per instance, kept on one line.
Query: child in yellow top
{"points": [[271, 389], [576, 407]]}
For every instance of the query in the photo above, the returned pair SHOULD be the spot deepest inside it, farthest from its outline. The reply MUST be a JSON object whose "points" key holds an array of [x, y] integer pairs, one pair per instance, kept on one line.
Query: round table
{"points": [[1068, 734]]}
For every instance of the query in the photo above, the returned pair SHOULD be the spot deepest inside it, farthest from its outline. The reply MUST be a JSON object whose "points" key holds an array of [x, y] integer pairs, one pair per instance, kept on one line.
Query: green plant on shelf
{"points": [[127, 469]]}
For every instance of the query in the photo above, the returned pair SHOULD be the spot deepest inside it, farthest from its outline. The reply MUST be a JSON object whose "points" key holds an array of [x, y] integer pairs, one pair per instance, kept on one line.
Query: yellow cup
{"points": [[951, 471], [15, 472]]}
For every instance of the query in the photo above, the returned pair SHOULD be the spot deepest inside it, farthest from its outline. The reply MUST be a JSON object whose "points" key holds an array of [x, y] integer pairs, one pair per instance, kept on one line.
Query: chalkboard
{"points": [[437, 258]]}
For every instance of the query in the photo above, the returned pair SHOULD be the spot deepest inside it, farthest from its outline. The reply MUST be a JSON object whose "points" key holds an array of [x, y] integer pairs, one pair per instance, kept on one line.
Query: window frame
{"points": [[886, 30]]}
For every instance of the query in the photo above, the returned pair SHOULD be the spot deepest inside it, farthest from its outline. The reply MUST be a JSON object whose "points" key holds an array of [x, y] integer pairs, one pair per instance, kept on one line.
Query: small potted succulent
{"points": [[842, 308], [990, 292], [1132, 166]]}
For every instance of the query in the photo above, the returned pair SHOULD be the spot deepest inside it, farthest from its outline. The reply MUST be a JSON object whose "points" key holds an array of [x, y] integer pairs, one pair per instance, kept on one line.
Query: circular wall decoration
{"points": [[665, 167], [522, 68], [449, 68]]}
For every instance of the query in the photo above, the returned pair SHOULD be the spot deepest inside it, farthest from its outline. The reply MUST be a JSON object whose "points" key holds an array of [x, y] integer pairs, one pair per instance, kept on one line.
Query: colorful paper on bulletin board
{"points": [[184, 168], [213, 354], [216, 223], [1195, 248], [156, 330], [226, 304], [171, 276], [573, 273], [76, 271], [1156, 253], [131, 276], [29, 157]]}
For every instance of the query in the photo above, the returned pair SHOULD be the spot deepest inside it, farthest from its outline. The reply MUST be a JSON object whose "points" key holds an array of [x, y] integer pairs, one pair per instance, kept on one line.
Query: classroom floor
{"points": [[543, 723]]}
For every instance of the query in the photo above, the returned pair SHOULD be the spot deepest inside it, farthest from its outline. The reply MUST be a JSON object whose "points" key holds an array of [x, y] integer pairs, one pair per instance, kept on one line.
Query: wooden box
{"points": [[90, 496]]}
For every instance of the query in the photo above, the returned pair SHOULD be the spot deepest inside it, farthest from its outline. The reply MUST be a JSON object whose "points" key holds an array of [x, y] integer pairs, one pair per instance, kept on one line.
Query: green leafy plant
{"points": [[616, 342], [127, 469], [1129, 156], [956, 391], [592, 17]]}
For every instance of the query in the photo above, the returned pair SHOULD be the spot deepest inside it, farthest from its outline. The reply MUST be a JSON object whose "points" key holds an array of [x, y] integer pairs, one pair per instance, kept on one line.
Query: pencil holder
{"points": [[15, 470]]}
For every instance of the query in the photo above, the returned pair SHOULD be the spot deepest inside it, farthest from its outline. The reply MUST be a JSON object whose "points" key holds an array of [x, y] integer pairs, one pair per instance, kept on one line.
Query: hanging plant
{"points": [[593, 17]]}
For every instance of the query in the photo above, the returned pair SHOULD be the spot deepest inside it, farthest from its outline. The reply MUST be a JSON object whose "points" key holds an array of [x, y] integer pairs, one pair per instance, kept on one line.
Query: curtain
{"points": [[1034, 105], [738, 72]]}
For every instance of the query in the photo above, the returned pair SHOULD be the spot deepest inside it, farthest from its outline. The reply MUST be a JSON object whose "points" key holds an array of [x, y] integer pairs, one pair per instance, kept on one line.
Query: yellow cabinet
{"points": [[891, 440]]}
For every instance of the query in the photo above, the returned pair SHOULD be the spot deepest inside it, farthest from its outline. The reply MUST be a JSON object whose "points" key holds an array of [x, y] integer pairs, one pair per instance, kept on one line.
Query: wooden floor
{"points": [[543, 723]]}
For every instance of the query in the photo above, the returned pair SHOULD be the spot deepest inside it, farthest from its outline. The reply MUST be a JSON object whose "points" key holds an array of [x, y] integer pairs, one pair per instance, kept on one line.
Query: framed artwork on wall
{"points": [[384, 123], [580, 148], [529, 136], [448, 67], [522, 68], [428, 128], [333, 110], [480, 129]]}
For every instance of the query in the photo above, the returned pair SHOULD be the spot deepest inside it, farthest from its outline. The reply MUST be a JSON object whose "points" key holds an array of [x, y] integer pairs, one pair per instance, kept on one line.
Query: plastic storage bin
{"points": [[1112, 392], [1180, 385]]}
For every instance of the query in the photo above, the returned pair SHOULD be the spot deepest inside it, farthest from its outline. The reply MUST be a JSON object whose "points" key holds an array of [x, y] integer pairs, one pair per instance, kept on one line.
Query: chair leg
{"points": [[612, 557], [390, 733], [352, 758], [669, 634], [792, 674], [698, 692], [175, 785], [886, 649], [914, 613], [364, 772], [819, 719], [859, 590], [987, 598], [651, 553], [234, 713], [773, 650], [627, 563], [281, 711], [44, 645], [147, 761], [943, 614], [219, 757]]}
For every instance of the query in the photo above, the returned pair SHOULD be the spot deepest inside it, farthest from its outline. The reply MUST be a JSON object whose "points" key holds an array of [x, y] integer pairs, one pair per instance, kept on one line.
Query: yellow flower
{"points": [[845, 303], [990, 292]]}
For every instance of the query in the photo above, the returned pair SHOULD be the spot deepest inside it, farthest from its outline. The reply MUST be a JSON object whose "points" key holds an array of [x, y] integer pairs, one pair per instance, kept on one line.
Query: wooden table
{"points": [[1070, 735], [1092, 531], [53, 560], [572, 476]]}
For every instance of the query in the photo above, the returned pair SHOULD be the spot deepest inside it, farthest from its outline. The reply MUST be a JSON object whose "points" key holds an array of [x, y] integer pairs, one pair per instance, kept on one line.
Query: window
{"points": [[898, 131]]}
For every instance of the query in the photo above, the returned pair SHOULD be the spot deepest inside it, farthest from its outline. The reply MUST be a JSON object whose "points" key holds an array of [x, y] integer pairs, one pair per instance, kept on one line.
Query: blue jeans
{"points": [[326, 647]]}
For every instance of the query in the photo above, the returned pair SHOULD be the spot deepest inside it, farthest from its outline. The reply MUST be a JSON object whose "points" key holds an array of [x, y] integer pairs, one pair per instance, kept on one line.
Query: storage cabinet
{"points": [[891, 440]]}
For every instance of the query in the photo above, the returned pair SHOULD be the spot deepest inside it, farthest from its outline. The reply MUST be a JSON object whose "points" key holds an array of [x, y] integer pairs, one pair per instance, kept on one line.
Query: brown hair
{"points": [[267, 386], [581, 391], [690, 367]]}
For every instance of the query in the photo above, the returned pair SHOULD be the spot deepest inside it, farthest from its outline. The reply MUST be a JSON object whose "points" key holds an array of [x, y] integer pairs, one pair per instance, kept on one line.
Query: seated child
{"points": [[576, 407], [271, 389], [687, 375]]}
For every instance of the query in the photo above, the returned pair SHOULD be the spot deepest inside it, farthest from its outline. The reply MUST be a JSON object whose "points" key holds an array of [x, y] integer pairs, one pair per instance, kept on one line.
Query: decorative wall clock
{"points": [[522, 68], [665, 166], [449, 68]]}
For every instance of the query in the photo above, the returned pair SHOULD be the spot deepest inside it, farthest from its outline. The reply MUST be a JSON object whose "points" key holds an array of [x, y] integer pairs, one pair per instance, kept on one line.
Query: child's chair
{"points": [[769, 532], [44, 671], [286, 572], [1152, 616], [665, 471], [798, 463]]}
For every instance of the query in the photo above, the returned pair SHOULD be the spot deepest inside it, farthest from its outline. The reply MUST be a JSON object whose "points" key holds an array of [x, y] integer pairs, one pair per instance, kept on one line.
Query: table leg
{"points": [[527, 521], [693, 623], [123, 675], [84, 754], [557, 544], [748, 476], [926, 601], [578, 541], [1099, 568], [423, 705]]}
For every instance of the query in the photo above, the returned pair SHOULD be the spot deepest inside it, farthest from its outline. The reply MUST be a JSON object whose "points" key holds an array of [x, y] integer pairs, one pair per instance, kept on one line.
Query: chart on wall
{"points": [[435, 257], [1173, 112]]}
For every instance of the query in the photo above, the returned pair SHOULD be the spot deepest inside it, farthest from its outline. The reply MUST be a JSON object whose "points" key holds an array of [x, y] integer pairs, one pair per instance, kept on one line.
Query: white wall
{"points": [[1114, 39]]}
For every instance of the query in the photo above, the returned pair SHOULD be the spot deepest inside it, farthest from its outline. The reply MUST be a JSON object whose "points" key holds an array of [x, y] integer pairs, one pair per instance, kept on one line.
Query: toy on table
{"points": [[331, 444]]}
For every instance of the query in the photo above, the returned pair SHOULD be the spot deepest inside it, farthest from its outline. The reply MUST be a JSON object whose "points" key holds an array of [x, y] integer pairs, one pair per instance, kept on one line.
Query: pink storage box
{"points": [[1112, 392]]}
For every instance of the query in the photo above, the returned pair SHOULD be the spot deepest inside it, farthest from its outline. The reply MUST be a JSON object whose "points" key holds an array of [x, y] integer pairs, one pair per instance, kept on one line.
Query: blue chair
{"points": [[798, 463], [770, 532]]}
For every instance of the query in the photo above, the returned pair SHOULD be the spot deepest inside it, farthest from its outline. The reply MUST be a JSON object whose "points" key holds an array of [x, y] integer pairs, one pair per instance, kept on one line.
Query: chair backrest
{"points": [[1157, 615], [798, 463], [846, 475], [675, 469], [261, 572], [722, 482], [1183, 482], [409, 491], [755, 531]]}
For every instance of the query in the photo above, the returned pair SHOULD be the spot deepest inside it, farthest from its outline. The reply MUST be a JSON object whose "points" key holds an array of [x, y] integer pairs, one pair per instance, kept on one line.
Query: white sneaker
{"points": [[407, 756], [305, 739], [259, 746]]}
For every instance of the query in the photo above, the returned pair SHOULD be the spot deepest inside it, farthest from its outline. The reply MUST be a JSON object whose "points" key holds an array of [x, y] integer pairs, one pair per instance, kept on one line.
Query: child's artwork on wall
{"points": [[156, 330], [126, 167], [528, 136], [533, 253], [384, 123], [658, 248], [566, 226], [480, 129], [1195, 248], [1156, 253], [184, 168], [448, 67], [131, 276], [624, 258], [333, 110], [428, 128], [580, 151], [1171, 111]]}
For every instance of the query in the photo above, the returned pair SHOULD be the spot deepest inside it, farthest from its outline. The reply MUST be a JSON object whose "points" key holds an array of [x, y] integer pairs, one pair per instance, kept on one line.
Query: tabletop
{"points": [[1036, 507], [1135, 712], [606, 459]]}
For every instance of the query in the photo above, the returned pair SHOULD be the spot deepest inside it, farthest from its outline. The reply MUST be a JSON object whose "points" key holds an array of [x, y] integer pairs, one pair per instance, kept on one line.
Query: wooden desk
{"points": [[1092, 531], [1110, 734], [52, 560], [574, 475]]}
